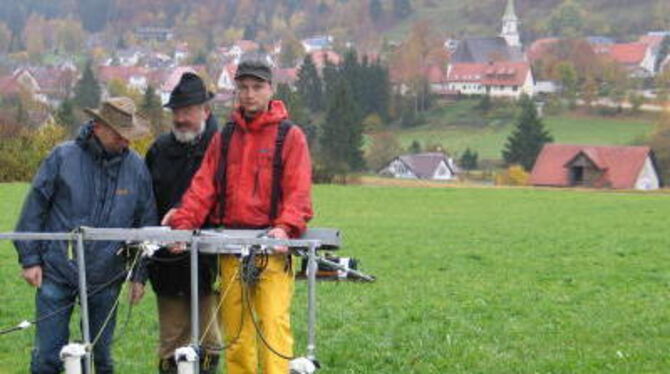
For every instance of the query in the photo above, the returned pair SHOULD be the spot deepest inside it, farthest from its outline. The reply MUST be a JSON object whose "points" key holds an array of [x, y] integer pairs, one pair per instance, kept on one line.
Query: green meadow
{"points": [[460, 125], [469, 280]]}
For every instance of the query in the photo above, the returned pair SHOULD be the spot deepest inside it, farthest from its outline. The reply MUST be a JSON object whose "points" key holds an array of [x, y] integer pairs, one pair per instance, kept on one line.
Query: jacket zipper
{"points": [[256, 182]]}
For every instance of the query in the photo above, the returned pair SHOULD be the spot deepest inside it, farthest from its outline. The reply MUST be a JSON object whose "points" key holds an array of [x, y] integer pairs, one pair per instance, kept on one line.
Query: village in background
{"points": [[362, 78]]}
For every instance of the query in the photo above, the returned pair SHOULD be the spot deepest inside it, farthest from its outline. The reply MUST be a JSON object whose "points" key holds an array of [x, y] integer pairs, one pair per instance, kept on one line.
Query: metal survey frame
{"points": [[214, 242]]}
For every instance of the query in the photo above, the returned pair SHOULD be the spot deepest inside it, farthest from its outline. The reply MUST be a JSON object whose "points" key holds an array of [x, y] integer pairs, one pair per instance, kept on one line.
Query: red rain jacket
{"points": [[249, 178]]}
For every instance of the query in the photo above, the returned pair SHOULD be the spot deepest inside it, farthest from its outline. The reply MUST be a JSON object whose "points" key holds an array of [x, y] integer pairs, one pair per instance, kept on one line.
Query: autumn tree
{"points": [[69, 36], [383, 148], [569, 81], [34, 34], [413, 58], [292, 50], [567, 20]]}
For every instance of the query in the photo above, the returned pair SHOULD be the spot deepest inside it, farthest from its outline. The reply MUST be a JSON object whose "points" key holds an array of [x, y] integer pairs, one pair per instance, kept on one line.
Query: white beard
{"points": [[188, 136]]}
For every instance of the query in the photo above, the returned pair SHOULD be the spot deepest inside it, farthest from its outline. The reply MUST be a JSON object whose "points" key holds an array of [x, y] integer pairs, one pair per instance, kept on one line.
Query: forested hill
{"points": [[351, 20]]}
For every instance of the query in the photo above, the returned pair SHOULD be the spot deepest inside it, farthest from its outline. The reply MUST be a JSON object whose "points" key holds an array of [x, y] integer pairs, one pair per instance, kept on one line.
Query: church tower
{"points": [[510, 26]]}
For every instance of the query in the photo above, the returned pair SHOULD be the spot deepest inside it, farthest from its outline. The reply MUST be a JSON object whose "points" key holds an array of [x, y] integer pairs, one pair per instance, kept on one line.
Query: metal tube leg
{"points": [[311, 302], [195, 315], [83, 301]]}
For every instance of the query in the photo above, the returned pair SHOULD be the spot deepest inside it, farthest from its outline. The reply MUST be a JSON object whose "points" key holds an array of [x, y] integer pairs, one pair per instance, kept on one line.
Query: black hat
{"points": [[256, 68], [190, 90]]}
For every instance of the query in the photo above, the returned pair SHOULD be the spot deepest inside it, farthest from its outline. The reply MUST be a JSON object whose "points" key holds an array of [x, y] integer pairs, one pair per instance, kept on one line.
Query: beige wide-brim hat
{"points": [[120, 114]]}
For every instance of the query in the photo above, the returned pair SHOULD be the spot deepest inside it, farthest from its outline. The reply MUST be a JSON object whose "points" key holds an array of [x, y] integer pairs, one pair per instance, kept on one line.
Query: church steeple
{"points": [[510, 26]]}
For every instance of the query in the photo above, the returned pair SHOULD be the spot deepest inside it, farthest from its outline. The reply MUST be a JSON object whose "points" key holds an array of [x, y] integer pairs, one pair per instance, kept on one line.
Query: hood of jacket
{"points": [[276, 113]]}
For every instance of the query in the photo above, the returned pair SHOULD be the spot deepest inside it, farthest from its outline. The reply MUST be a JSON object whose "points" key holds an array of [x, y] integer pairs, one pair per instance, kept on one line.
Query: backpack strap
{"points": [[221, 173], [278, 168]]}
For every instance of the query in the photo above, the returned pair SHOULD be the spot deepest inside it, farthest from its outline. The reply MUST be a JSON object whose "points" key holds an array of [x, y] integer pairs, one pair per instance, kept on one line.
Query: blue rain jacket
{"points": [[80, 184]]}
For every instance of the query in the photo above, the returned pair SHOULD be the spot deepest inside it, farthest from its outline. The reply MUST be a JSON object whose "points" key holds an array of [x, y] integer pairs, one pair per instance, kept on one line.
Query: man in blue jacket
{"points": [[94, 181]]}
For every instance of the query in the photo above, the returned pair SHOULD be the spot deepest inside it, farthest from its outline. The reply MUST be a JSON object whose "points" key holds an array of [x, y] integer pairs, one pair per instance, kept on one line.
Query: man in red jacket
{"points": [[256, 174]]}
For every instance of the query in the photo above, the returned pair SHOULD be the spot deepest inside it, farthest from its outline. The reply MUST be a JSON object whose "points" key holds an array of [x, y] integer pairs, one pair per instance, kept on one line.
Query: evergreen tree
{"points": [[309, 85], [87, 89], [341, 140], [415, 147], [380, 90], [331, 76], [297, 112], [469, 159], [65, 115], [151, 107], [351, 72], [527, 140]]}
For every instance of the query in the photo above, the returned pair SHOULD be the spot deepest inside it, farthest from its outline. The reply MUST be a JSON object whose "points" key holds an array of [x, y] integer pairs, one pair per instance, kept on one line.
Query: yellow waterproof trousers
{"points": [[270, 299]]}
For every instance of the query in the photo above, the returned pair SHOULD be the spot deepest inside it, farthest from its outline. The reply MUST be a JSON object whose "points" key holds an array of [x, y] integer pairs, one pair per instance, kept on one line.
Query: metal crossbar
{"points": [[208, 241]]}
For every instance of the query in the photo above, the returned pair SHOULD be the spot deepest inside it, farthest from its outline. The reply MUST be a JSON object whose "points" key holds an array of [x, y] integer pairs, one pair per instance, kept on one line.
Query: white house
{"points": [[226, 80], [431, 166], [317, 43], [497, 79]]}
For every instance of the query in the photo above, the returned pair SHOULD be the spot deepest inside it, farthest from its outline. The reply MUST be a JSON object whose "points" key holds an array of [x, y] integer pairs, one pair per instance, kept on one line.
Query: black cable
{"points": [[66, 307], [124, 327], [240, 325], [250, 276], [246, 297]]}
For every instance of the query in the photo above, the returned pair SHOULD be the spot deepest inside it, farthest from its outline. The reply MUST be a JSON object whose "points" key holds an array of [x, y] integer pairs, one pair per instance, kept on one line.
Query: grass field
{"points": [[450, 127], [469, 281]]}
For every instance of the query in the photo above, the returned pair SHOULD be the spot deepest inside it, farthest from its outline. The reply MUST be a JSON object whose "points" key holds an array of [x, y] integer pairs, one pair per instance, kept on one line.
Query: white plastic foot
{"points": [[302, 365], [186, 358], [71, 356]]}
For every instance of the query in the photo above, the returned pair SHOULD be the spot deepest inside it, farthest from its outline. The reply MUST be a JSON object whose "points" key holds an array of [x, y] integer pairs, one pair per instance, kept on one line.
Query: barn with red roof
{"points": [[615, 167]]}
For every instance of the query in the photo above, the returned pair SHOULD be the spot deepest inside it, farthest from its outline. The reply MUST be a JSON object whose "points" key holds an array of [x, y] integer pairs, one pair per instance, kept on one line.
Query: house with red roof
{"points": [[541, 49], [55, 83], [170, 79], [431, 166], [615, 167], [437, 78], [637, 57], [21, 80], [500, 79]]}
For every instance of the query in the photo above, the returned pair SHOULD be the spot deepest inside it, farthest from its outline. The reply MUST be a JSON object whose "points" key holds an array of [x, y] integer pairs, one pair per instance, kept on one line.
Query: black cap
{"points": [[190, 90], [256, 68]]}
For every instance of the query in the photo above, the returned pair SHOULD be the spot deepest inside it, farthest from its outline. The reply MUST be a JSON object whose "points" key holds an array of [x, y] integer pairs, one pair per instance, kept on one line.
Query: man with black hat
{"points": [[172, 160], [94, 181], [256, 174]]}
